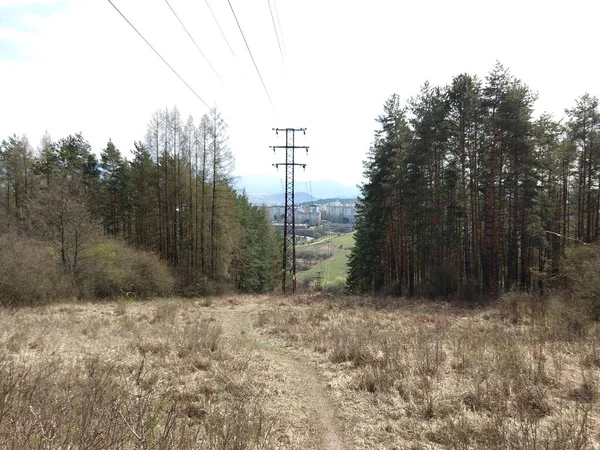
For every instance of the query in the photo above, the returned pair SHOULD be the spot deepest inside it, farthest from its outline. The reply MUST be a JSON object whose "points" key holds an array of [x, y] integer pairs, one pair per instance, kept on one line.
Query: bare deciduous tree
{"points": [[59, 214]]}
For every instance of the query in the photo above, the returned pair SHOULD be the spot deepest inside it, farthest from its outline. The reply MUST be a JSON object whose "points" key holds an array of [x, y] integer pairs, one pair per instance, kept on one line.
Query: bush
{"points": [[110, 268], [29, 272], [580, 278], [337, 286]]}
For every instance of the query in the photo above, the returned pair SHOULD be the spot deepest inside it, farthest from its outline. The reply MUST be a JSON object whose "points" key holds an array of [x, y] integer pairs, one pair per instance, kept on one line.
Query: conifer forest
{"points": [[469, 193]]}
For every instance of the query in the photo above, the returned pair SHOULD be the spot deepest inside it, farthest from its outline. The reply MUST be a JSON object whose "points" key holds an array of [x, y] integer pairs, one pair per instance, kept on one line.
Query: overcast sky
{"points": [[75, 65]]}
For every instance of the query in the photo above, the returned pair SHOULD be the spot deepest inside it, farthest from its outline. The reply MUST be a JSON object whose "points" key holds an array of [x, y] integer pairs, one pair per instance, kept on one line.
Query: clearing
{"points": [[308, 372]]}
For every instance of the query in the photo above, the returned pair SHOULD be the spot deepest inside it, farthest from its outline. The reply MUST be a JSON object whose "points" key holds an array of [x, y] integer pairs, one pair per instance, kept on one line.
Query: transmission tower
{"points": [[288, 282]]}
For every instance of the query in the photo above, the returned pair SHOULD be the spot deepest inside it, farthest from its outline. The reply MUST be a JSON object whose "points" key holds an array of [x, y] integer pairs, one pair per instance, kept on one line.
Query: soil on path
{"points": [[297, 395]]}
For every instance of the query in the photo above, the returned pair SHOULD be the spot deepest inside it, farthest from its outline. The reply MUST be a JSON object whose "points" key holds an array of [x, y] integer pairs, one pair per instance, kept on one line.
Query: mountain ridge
{"points": [[267, 186]]}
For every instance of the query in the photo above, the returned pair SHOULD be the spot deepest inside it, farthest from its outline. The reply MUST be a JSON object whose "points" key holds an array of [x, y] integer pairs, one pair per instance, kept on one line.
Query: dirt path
{"points": [[297, 394]]}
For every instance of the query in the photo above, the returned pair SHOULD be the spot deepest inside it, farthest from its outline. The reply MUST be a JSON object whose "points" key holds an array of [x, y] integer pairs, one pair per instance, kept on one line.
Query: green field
{"points": [[332, 268]]}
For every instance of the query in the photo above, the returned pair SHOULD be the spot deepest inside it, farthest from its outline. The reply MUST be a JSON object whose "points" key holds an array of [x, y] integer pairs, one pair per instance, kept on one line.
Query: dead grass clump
{"points": [[291, 323], [348, 343], [280, 322], [587, 391], [121, 307], [432, 355], [591, 360], [373, 379], [239, 423], [165, 311], [16, 341], [519, 307], [45, 406], [153, 346], [491, 396], [202, 335], [531, 400], [567, 317]]}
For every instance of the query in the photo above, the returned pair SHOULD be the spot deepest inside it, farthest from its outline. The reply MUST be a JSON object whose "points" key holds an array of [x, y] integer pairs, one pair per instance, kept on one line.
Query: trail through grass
{"points": [[296, 389]]}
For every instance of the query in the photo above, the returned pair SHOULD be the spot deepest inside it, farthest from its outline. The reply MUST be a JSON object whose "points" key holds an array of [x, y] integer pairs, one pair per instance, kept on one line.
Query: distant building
{"points": [[309, 215], [341, 213]]}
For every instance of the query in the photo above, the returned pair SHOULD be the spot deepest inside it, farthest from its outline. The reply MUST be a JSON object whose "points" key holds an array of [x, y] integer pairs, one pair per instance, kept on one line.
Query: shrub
{"points": [[29, 272], [145, 274], [99, 274], [580, 278], [238, 424], [110, 268], [337, 286]]}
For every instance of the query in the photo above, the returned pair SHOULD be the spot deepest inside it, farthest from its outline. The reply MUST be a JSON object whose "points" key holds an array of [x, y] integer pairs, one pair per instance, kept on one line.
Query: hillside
{"points": [[327, 257], [304, 372]]}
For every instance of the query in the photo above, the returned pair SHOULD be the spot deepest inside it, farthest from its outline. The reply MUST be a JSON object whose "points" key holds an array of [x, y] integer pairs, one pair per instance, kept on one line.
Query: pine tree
{"points": [[584, 132], [377, 258], [462, 203], [16, 174], [114, 196], [144, 200]]}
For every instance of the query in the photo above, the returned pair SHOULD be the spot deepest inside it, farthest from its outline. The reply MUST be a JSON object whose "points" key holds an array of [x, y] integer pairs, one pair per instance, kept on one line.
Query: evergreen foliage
{"points": [[463, 186], [257, 262]]}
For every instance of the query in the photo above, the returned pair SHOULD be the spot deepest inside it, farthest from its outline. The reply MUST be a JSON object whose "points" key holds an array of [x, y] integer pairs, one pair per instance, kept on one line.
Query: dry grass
{"points": [[190, 374], [126, 375], [424, 375]]}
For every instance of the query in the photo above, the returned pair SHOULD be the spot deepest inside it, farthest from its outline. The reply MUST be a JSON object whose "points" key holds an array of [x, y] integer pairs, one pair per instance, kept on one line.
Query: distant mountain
{"points": [[279, 199], [259, 185], [264, 185]]}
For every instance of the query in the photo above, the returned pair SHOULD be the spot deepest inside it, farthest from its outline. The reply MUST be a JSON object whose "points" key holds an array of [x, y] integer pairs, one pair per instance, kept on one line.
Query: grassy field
{"points": [[333, 269], [305, 372], [422, 375]]}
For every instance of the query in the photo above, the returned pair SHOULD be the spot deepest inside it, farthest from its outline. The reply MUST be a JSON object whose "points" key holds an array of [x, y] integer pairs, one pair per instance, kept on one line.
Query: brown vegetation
{"points": [[31, 272], [314, 372], [125, 375], [424, 375]]}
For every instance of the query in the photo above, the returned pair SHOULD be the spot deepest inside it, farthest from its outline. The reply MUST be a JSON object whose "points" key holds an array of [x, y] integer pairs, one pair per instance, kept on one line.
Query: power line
{"points": [[193, 40], [217, 22], [288, 282], [249, 51], [279, 23], [163, 59], [275, 29]]}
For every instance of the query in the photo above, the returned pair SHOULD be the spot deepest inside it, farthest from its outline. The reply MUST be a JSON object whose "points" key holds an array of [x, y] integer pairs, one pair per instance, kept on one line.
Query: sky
{"points": [[69, 66]]}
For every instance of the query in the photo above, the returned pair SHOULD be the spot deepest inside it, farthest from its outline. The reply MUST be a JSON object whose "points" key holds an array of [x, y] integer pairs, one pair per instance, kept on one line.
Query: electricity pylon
{"points": [[288, 282]]}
